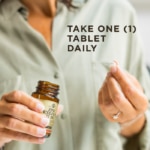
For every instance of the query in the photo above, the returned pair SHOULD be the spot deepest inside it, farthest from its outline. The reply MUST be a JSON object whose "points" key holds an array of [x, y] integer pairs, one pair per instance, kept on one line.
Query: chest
{"points": [[42, 25]]}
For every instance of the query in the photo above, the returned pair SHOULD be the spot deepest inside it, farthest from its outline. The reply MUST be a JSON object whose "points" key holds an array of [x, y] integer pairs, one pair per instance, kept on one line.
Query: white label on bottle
{"points": [[50, 111]]}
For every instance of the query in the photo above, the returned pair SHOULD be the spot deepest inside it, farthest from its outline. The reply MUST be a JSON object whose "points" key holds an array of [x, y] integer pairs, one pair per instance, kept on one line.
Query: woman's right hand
{"points": [[21, 118]]}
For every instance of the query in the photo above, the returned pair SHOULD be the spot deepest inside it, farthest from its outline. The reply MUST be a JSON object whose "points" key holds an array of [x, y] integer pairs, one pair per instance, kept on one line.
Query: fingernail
{"points": [[113, 67], [109, 74], [41, 131], [45, 121], [40, 107], [42, 140]]}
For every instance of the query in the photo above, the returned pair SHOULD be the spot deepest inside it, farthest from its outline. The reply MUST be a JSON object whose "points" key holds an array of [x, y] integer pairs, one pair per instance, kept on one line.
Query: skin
{"points": [[20, 114], [122, 92], [21, 118], [43, 12]]}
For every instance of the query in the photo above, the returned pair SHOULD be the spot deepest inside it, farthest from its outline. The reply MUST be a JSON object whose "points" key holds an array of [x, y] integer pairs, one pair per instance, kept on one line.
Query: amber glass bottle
{"points": [[47, 93]]}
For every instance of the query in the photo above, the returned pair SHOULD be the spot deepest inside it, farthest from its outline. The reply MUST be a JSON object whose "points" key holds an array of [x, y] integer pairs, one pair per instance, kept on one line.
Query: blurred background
{"points": [[142, 8]]}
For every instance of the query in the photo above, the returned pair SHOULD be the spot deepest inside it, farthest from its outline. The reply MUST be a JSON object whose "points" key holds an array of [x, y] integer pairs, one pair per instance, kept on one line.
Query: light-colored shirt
{"points": [[25, 58]]}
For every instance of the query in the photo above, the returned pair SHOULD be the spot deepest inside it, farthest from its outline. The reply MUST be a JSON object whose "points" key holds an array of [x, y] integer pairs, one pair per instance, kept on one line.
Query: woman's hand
{"points": [[121, 99], [21, 118]]}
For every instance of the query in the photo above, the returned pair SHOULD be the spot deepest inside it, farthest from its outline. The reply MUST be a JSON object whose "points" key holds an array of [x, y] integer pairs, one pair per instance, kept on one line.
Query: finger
{"points": [[100, 97], [118, 97], [20, 126], [134, 81], [23, 98], [21, 136], [108, 108], [121, 76], [107, 102], [100, 100], [23, 113], [131, 91]]}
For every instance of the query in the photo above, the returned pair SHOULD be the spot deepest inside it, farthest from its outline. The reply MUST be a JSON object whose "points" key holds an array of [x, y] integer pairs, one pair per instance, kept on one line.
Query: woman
{"points": [[34, 40]]}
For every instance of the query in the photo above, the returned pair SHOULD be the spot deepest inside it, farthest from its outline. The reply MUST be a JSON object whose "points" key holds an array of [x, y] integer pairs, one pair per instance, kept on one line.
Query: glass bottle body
{"points": [[47, 93]]}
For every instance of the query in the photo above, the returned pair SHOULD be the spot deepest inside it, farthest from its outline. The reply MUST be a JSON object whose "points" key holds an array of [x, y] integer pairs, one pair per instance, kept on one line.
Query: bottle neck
{"points": [[47, 88]]}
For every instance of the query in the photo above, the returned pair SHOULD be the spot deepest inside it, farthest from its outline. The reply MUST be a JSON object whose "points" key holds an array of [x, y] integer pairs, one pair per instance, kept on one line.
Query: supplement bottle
{"points": [[47, 93]]}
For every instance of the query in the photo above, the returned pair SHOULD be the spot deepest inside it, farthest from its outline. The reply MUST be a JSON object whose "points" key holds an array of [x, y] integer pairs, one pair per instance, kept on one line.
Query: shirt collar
{"points": [[78, 3], [11, 7]]}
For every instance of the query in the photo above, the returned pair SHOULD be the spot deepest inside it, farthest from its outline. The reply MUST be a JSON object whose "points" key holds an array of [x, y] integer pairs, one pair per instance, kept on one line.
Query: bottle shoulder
{"points": [[44, 97]]}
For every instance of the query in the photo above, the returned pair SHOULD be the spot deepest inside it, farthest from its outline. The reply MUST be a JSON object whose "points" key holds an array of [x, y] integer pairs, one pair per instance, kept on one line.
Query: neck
{"points": [[45, 8]]}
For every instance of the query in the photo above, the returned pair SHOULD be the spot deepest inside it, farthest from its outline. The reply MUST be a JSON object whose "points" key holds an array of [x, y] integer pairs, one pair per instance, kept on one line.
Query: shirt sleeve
{"points": [[2, 148], [140, 141], [137, 67], [144, 137]]}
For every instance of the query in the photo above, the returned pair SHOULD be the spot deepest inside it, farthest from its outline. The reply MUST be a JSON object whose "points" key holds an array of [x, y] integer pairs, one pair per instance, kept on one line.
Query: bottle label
{"points": [[50, 111]]}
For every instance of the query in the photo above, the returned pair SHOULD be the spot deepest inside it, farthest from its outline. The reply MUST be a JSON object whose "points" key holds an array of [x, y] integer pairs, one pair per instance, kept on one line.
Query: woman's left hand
{"points": [[121, 99]]}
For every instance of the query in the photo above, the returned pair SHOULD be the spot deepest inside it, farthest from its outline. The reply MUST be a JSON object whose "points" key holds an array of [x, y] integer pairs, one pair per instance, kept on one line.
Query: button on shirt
{"points": [[25, 58]]}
